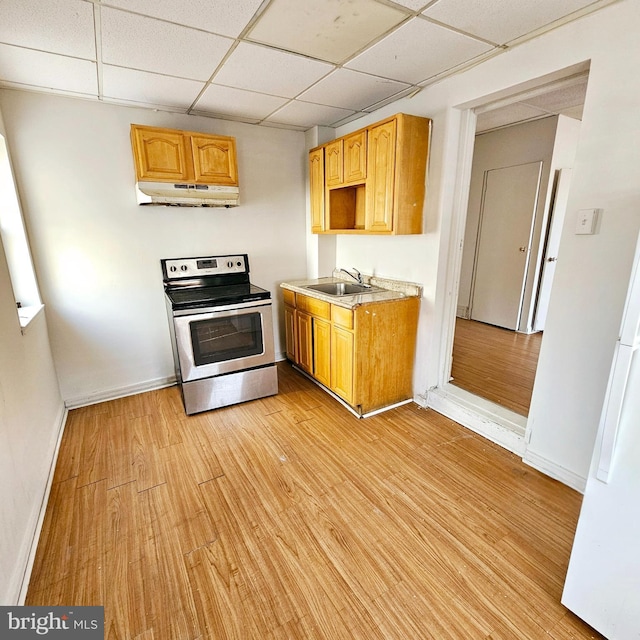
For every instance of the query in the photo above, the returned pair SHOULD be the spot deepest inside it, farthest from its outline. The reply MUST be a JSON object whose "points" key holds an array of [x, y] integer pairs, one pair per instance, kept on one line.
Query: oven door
{"points": [[224, 340]]}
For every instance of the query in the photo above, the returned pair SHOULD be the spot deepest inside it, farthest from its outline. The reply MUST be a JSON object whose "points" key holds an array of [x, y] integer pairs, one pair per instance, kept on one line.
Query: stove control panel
{"points": [[206, 266]]}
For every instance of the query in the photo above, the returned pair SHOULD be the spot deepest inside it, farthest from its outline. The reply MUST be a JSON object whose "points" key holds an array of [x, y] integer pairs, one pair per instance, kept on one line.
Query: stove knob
{"points": [[183, 267], [238, 264], [173, 269], [230, 264]]}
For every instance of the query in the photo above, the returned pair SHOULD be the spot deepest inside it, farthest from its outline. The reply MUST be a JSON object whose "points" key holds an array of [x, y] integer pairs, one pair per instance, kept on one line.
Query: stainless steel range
{"points": [[222, 331]]}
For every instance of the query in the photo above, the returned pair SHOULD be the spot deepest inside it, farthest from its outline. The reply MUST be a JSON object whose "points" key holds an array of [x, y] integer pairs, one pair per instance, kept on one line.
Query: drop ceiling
{"points": [[284, 63]]}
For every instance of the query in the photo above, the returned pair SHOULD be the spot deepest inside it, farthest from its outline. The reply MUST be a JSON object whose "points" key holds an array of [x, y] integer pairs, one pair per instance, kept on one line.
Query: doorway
{"points": [[495, 363], [512, 361]]}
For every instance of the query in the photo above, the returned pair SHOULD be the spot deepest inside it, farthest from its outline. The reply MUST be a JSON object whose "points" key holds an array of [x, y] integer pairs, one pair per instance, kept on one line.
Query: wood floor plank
{"points": [[495, 363], [168, 598], [290, 518], [124, 574]]}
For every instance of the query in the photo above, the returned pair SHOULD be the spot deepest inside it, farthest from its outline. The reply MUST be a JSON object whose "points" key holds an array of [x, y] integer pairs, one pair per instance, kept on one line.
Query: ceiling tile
{"points": [[417, 51], [501, 21], [164, 53], [352, 90], [264, 70], [219, 100], [306, 114], [59, 26], [332, 30], [49, 70], [217, 16], [139, 42], [148, 88]]}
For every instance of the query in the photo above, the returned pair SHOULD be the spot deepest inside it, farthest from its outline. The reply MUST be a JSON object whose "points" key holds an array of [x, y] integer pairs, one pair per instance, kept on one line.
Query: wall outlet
{"points": [[586, 221]]}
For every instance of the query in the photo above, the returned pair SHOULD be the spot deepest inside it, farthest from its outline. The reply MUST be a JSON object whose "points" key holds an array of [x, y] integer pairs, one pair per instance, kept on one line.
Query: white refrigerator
{"points": [[603, 580]]}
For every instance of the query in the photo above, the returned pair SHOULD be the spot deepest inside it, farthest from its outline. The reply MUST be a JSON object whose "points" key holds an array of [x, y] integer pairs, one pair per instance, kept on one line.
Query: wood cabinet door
{"points": [[342, 369], [380, 182], [334, 163], [160, 154], [305, 341], [214, 160], [355, 157], [322, 351], [290, 332], [316, 189]]}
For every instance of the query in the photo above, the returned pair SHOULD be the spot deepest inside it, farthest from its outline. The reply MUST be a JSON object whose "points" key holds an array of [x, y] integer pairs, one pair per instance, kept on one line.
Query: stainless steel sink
{"points": [[342, 288]]}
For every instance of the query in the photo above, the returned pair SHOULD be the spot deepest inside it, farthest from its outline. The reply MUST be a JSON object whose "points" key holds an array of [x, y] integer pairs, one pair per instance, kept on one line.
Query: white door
{"points": [[504, 238], [558, 210]]}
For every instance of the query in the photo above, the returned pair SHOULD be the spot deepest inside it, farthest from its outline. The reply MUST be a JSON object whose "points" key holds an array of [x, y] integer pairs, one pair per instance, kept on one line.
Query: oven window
{"points": [[226, 338]]}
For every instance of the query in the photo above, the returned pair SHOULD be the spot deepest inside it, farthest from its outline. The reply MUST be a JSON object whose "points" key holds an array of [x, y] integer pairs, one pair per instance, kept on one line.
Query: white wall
{"points": [[588, 296], [97, 252], [31, 415]]}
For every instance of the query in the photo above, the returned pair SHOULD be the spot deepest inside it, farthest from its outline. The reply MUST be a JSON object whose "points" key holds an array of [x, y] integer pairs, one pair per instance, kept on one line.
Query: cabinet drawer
{"points": [[342, 317], [289, 297], [313, 306]]}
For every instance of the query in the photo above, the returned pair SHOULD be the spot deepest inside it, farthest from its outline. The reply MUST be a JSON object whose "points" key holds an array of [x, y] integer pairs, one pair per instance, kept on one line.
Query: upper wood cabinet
{"points": [[334, 163], [374, 179], [346, 160], [171, 155], [355, 157], [380, 188], [214, 159], [316, 189]]}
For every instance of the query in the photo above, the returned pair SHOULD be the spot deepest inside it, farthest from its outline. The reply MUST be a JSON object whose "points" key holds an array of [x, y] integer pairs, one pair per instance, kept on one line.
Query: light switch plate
{"points": [[586, 221]]}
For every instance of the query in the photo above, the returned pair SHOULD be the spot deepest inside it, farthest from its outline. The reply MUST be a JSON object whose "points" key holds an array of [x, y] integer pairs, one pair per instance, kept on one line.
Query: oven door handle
{"points": [[196, 311]]}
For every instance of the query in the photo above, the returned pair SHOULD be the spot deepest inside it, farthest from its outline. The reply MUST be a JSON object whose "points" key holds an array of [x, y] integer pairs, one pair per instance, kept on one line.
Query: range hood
{"points": [[186, 195]]}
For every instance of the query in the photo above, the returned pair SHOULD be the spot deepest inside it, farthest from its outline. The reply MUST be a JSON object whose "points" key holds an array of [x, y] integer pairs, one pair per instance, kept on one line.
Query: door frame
{"points": [[492, 421], [506, 428], [551, 237]]}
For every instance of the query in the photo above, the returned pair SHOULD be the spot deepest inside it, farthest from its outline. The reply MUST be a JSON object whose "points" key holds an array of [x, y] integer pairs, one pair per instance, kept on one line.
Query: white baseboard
{"points": [[119, 392], [499, 425], [36, 527], [555, 471], [130, 390]]}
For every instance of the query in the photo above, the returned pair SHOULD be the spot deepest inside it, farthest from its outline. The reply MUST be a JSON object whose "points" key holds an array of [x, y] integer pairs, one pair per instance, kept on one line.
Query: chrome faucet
{"points": [[357, 277]]}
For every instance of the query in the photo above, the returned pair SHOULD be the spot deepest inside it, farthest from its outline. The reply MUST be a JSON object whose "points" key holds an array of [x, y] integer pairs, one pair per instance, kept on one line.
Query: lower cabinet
{"points": [[322, 351], [304, 324], [364, 355], [342, 363]]}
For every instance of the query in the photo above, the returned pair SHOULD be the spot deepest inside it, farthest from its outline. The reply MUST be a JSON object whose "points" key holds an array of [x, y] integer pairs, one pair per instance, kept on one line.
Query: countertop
{"points": [[392, 290]]}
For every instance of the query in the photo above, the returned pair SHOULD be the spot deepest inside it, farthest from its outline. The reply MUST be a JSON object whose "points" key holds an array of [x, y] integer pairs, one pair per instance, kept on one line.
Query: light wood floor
{"points": [[496, 364], [288, 518]]}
